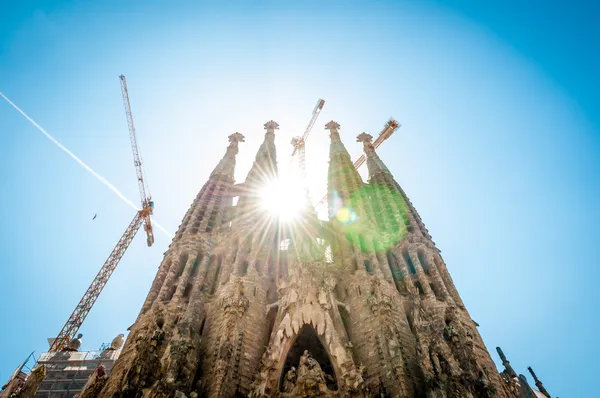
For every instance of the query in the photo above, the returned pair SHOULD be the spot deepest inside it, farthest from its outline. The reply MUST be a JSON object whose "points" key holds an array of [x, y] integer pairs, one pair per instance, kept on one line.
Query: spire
{"points": [[339, 158], [262, 172], [336, 147], [374, 163], [227, 165], [508, 369], [538, 383], [265, 163], [208, 209], [380, 177]]}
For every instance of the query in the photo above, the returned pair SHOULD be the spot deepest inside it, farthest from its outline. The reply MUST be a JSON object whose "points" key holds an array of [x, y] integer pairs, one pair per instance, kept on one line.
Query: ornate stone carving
{"points": [[117, 342], [74, 344], [311, 379], [94, 384], [290, 380], [306, 298], [237, 303]]}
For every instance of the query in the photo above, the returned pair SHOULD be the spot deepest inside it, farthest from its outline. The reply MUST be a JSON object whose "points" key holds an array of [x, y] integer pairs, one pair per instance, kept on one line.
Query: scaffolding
{"points": [[68, 372]]}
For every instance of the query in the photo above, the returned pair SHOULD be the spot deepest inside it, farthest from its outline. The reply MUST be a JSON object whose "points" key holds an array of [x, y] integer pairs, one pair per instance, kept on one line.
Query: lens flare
{"points": [[283, 198], [346, 215]]}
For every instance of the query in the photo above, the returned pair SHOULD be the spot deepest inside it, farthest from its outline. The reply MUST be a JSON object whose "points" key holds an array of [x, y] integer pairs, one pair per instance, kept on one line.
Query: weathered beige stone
{"points": [[234, 313]]}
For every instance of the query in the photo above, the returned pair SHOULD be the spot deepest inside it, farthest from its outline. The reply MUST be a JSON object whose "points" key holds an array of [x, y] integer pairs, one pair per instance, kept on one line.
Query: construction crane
{"points": [[71, 327], [299, 142], [388, 129]]}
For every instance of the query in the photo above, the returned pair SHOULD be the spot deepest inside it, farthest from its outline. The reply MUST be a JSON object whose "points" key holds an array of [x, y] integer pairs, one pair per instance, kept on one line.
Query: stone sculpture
{"points": [[74, 344]]}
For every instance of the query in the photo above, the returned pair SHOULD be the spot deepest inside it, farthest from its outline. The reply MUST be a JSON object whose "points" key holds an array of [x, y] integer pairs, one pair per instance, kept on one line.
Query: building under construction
{"points": [[245, 304], [233, 312], [68, 372]]}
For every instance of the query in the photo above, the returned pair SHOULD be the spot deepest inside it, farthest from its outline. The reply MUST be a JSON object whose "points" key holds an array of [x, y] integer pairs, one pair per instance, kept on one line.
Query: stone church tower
{"points": [[361, 305]]}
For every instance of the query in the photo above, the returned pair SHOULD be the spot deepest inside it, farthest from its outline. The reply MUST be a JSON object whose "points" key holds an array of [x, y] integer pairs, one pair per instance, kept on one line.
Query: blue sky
{"points": [[499, 148]]}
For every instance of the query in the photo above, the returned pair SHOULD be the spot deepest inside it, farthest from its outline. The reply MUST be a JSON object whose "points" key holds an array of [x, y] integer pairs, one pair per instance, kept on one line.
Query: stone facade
{"points": [[243, 305]]}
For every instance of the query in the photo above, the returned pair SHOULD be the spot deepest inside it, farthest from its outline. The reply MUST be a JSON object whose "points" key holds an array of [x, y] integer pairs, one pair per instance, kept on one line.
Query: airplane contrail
{"points": [[81, 163]]}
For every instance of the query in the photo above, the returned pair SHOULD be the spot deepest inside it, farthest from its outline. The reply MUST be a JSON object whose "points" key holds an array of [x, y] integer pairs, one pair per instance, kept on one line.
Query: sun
{"points": [[283, 198]]}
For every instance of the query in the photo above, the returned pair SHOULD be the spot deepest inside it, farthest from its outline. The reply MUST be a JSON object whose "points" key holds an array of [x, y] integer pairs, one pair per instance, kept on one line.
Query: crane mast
{"points": [[147, 203], [299, 142], [71, 327], [390, 127]]}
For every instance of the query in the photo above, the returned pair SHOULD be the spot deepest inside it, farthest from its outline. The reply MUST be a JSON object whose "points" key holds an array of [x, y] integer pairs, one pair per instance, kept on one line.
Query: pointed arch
{"points": [[308, 339]]}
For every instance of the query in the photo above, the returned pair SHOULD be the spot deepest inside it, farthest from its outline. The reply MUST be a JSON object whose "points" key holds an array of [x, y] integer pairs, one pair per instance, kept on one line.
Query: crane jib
{"points": [[71, 327]]}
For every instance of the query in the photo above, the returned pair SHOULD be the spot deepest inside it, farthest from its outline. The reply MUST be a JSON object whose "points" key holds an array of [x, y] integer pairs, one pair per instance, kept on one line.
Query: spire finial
{"points": [[332, 126], [271, 126], [508, 369], [236, 138], [538, 383], [366, 139]]}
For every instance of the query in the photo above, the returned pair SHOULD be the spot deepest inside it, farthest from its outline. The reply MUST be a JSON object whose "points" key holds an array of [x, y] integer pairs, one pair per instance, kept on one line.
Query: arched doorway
{"points": [[308, 340]]}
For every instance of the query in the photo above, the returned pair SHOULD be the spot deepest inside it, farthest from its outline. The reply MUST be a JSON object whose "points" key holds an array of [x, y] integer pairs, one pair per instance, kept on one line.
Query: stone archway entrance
{"points": [[304, 365]]}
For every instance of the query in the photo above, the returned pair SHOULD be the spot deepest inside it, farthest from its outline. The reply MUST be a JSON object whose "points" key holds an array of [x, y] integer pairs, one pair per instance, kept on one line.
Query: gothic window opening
{"points": [[409, 263], [196, 267], [423, 261], [315, 366], [419, 288], [368, 267], [435, 290], [215, 280], [354, 264], [395, 269], [182, 261], [187, 290]]}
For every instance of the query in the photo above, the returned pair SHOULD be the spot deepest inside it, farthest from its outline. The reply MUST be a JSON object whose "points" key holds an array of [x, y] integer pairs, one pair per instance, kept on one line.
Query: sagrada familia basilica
{"points": [[362, 305]]}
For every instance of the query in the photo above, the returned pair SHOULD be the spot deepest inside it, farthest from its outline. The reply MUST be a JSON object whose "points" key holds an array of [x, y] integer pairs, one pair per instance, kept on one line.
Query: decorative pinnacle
{"points": [[234, 140], [271, 126], [501, 353], [366, 138], [332, 126], [236, 137], [538, 383], [532, 374], [511, 372]]}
